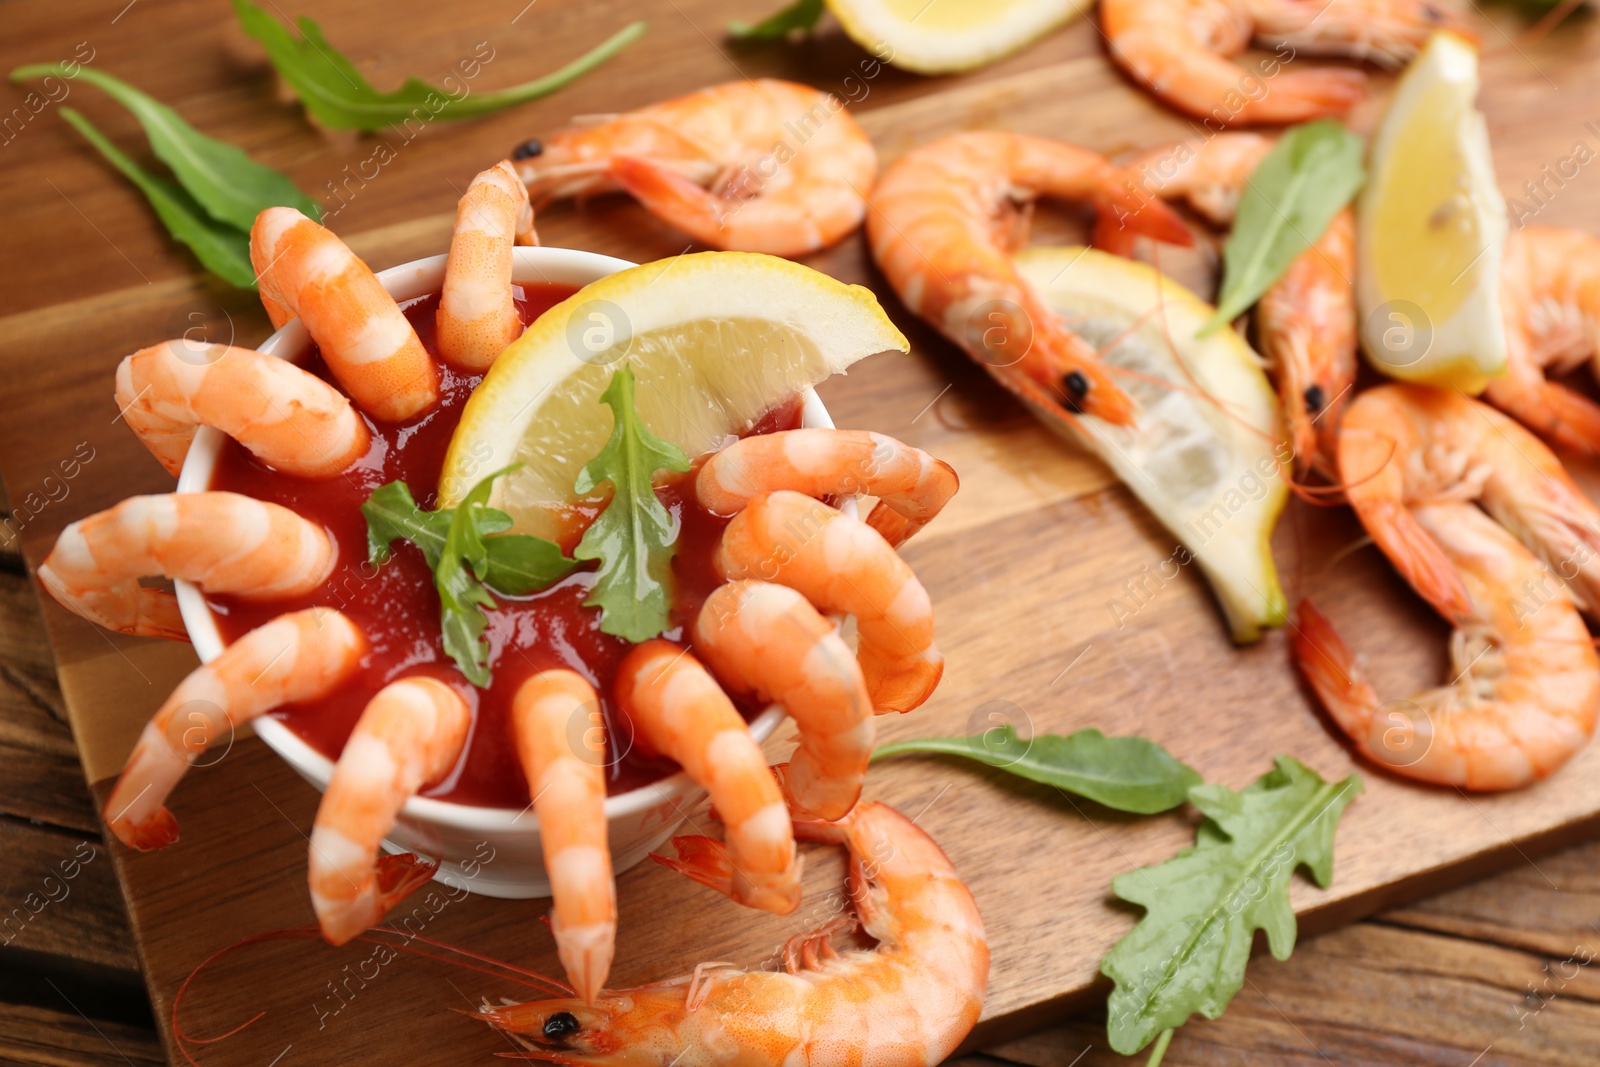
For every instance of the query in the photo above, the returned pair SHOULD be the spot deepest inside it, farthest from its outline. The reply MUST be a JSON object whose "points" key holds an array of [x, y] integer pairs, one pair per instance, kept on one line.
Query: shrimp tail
{"points": [[1420, 560], [704, 859], [1127, 212], [1110, 236], [1331, 668], [400, 875], [156, 831], [1568, 418], [669, 195]]}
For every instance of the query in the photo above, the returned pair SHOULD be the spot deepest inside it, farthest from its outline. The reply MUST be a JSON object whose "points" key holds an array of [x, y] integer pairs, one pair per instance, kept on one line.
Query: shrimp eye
{"points": [[528, 149], [560, 1025], [1314, 399], [1077, 387]]}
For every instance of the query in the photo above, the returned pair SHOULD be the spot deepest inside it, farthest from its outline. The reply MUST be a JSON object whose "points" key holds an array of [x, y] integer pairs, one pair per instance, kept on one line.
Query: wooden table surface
{"points": [[1489, 973]]}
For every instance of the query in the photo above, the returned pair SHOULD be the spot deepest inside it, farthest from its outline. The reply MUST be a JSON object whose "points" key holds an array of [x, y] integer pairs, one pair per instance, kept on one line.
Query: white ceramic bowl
{"points": [[494, 851]]}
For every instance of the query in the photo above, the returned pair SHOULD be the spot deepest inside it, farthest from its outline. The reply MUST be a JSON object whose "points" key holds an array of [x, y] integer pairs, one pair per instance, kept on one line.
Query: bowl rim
{"points": [[407, 281]]}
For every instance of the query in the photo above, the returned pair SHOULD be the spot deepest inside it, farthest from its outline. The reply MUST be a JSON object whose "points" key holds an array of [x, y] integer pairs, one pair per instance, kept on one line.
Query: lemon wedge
{"points": [[1206, 453], [715, 340], [945, 36], [1430, 227]]}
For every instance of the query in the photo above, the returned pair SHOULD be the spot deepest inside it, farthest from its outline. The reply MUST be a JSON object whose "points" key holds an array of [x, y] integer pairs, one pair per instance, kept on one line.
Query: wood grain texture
{"points": [[1021, 568], [32, 1036]]}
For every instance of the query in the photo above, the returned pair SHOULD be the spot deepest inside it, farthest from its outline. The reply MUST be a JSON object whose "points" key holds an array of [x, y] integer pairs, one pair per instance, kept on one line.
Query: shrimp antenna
{"points": [[396, 939]]}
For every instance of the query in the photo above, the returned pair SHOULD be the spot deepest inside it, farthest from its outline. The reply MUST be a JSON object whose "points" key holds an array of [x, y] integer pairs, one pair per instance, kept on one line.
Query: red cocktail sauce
{"points": [[398, 609]]}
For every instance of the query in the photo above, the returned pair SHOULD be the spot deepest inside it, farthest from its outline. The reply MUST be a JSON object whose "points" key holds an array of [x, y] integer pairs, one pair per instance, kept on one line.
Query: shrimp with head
{"points": [[753, 166], [943, 226], [1184, 51], [907, 1002], [1306, 320]]}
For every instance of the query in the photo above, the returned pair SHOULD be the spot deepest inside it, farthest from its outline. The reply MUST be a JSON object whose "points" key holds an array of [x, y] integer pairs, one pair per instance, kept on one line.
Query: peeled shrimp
{"points": [[289, 418], [943, 227], [410, 734], [304, 270], [906, 1002], [223, 542], [1183, 51], [1526, 677], [1306, 321], [769, 640], [911, 486], [569, 799], [755, 166], [842, 565], [477, 316], [295, 657], [1550, 296], [1406, 445], [678, 710]]}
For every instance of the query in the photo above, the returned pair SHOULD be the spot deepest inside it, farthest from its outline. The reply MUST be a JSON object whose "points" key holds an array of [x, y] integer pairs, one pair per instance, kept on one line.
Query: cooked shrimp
{"points": [[1406, 445], [477, 314], [911, 486], [289, 418], [755, 166], [679, 711], [943, 227], [409, 734], [1550, 297], [223, 542], [295, 657], [907, 1002], [1306, 322], [769, 640], [1526, 677], [569, 799], [840, 564], [304, 270], [1182, 50]]}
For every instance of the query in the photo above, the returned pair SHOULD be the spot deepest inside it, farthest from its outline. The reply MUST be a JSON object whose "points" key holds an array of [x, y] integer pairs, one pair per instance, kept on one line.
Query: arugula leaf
{"points": [[1202, 907], [1126, 773], [634, 537], [802, 15], [339, 97], [469, 553], [221, 249], [232, 187], [1295, 191]]}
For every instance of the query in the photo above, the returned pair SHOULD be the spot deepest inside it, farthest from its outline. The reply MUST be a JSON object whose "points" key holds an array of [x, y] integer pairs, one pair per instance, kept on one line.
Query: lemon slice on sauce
{"points": [[1430, 226], [945, 36], [1204, 454], [715, 340]]}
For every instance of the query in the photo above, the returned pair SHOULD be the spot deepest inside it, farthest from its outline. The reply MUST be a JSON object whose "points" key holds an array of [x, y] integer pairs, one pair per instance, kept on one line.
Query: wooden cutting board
{"points": [[1023, 567]]}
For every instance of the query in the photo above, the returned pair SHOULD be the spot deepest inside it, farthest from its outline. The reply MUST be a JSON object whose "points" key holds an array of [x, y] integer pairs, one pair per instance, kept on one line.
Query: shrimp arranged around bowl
{"points": [[943, 225], [1183, 51], [753, 166], [907, 1002], [763, 633], [1511, 576]]}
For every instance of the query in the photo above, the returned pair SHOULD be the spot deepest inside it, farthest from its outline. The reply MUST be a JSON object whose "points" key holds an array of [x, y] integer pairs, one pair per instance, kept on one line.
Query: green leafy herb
{"points": [[1125, 773], [469, 553], [229, 185], [1295, 191], [220, 248], [634, 537], [1202, 907], [800, 16], [340, 97]]}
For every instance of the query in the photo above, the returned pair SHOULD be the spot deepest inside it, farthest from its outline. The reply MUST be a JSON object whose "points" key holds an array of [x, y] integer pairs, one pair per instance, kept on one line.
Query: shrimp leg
{"points": [[289, 418], [911, 486], [678, 710], [410, 734], [293, 658], [769, 639], [477, 316], [840, 564], [223, 542], [304, 270], [569, 799]]}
